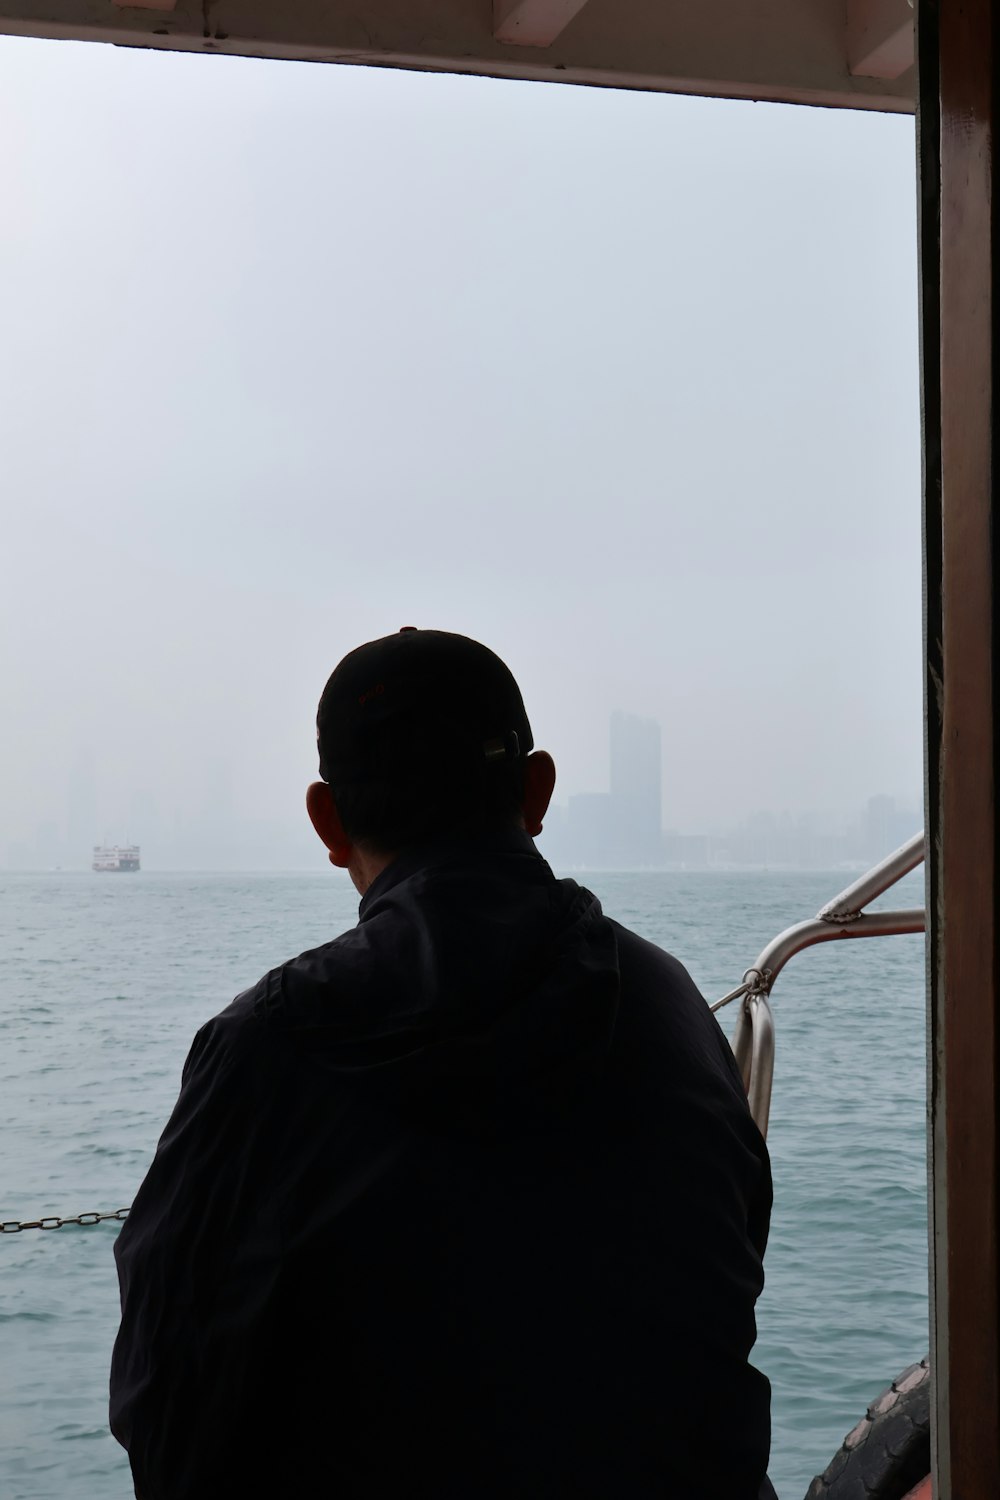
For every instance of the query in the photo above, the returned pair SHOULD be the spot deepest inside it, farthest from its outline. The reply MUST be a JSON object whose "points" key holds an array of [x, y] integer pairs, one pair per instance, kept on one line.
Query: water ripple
{"points": [[104, 995]]}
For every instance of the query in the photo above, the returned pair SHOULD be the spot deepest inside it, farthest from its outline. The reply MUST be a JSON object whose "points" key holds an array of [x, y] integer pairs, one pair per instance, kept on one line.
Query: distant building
{"points": [[619, 829], [590, 830], [636, 788], [81, 807], [886, 826], [687, 851]]}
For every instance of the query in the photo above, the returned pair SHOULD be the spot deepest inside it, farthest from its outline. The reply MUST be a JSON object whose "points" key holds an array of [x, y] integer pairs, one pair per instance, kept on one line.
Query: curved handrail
{"points": [[843, 917]]}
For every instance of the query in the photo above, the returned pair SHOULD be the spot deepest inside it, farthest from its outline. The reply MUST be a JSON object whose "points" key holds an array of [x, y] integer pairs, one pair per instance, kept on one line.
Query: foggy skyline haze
{"points": [[623, 385]]}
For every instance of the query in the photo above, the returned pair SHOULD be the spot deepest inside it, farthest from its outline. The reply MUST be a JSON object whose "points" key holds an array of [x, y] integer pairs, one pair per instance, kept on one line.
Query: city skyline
{"points": [[623, 827], [576, 427]]}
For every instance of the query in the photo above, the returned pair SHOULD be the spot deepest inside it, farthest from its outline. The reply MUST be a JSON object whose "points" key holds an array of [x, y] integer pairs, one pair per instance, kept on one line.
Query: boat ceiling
{"points": [[855, 54]]}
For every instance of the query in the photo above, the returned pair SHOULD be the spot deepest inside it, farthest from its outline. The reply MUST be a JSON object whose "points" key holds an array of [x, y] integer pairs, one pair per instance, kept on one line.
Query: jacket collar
{"points": [[471, 850]]}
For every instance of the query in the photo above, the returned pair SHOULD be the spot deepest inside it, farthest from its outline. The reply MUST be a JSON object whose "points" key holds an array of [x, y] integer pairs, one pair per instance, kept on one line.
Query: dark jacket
{"points": [[466, 1203]]}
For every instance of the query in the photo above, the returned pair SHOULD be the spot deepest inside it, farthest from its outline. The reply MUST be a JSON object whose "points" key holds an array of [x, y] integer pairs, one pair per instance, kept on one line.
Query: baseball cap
{"points": [[395, 705]]}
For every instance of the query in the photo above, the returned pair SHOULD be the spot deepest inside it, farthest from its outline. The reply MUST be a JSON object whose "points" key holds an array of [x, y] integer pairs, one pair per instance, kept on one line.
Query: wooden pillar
{"points": [[957, 58]]}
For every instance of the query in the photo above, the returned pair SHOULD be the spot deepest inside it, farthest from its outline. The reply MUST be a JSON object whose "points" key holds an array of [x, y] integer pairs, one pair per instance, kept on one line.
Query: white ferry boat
{"points": [[115, 858]]}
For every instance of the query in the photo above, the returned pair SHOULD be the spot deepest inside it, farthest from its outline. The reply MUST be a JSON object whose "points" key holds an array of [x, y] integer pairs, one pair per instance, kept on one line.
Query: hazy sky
{"points": [[290, 355]]}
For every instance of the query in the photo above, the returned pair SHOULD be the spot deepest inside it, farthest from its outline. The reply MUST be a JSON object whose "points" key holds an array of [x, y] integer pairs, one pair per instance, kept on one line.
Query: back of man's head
{"points": [[421, 734]]}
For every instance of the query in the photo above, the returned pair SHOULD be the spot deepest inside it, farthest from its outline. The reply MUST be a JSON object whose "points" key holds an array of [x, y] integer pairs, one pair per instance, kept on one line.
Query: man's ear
{"points": [[325, 818], [539, 784]]}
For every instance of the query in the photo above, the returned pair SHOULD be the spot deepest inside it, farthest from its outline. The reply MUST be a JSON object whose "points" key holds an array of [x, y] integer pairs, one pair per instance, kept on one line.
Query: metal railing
{"points": [[843, 917]]}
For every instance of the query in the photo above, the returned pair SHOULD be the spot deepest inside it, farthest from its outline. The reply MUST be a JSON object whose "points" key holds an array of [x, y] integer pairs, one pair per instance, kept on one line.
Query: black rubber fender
{"points": [[889, 1451]]}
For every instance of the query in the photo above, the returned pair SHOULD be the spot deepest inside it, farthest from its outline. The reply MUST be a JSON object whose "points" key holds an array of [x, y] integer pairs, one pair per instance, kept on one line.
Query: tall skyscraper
{"points": [[82, 811], [636, 782]]}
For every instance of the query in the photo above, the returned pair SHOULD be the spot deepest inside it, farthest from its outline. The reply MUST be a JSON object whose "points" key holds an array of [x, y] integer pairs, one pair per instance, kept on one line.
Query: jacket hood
{"points": [[474, 979]]}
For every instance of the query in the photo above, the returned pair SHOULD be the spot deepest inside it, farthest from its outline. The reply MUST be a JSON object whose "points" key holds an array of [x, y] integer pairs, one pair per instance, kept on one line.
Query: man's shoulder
{"points": [[646, 963], [246, 1020], [662, 1004], [246, 1039], [275, 1001], [231, 1036]]}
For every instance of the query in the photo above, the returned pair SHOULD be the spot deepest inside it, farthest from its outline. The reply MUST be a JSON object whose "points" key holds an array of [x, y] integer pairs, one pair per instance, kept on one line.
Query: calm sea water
{"points": [[106, 979]]}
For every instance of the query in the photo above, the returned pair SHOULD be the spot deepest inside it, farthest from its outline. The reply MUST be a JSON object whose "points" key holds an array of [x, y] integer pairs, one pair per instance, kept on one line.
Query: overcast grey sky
{"points": [[624, 385]]}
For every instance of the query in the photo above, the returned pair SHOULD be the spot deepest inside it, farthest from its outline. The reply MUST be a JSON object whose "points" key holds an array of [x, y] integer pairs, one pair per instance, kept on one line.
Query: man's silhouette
{"points": [[467, 1203]]}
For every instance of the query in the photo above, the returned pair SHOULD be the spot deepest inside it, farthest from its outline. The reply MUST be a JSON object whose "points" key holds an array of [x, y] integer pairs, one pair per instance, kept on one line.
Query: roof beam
{"points": [[788, 50], [532, 23], [879, 38]]}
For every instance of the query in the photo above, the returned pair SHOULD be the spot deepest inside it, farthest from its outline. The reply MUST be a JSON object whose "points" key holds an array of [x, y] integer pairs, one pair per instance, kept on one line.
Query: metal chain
{"points": [[14, 1226]]}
